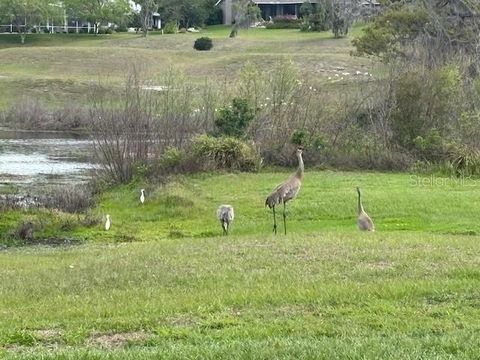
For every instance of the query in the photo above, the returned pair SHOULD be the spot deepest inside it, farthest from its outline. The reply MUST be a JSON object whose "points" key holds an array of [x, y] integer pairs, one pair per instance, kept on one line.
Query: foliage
{"points": [[464, 160], [316, 20], [70, 198], [203, 44], [234, 119], [187, 13], [171, 27], [171, 159], [99, 12], [224, 153], [147, 8], [389, 32], [298, 137], [306, 9], [26, 13], [424, 102], [245, 13], [339, 21], [284, 22]]}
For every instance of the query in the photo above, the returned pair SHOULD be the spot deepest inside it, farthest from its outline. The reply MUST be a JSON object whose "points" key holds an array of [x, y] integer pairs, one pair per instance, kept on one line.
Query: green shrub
{"points": [[224, 153], [298, 137], [424, 101], [464, 161], [431, 146], [233, 120], [203, 44], [170, 28], [171, 158]]}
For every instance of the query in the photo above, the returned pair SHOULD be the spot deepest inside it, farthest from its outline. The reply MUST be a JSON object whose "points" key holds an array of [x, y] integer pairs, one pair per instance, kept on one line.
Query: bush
{"points": [[171, 159], [284, 22], [170, 28], [224, 153], [70, 198], [233, 120], [203, 44], [464, 161]]}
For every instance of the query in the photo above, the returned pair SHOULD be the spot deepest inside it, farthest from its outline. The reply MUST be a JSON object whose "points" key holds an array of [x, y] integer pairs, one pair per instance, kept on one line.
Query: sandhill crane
{"points": [[142, 195], [225, 215], [363, 220], [107, 223], [286, 191]]}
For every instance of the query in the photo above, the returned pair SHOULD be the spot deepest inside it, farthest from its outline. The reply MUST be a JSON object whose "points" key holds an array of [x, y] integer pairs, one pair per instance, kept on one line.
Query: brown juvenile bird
{"points": [[363, 220], [225, 215], [286, 191]]}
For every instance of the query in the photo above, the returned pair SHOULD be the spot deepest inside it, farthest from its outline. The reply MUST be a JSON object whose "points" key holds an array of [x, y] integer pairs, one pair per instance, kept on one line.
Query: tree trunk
{"points": [[23, 34], [145, 26]]}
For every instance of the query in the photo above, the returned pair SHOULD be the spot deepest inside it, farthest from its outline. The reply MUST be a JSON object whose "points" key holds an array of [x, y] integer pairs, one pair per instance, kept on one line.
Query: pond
{"points": [[31, 159]]}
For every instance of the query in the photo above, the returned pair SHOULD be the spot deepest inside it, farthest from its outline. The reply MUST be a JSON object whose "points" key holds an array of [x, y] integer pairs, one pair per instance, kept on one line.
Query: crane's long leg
{"points": [[274, 221], [285, 218]]}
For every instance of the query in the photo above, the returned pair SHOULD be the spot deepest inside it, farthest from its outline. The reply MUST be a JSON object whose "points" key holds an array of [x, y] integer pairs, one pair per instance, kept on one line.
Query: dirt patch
{"points": [[48, 334], [183, 321], [117, 340]]}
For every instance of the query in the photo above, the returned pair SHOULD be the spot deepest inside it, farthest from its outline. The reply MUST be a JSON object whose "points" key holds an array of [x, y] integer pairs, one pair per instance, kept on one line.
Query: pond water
{"points": [[32, 158]]}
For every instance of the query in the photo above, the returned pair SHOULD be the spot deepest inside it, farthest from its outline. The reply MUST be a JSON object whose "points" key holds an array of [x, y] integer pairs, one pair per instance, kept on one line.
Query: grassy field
{"points": [[59, 69], [163, 283]]}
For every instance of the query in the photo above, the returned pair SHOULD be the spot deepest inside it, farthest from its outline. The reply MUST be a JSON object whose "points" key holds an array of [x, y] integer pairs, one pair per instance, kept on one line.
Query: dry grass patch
{"points": [[117, 340]]}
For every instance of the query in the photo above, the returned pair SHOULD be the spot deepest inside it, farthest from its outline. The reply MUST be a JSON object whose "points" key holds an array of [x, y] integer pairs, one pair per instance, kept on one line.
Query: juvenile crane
{"points": [[225, 215], [363, 220], [286, 191], [142, 195]]}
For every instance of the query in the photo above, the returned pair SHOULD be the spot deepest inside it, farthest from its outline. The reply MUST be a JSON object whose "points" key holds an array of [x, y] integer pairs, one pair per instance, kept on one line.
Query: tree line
{"points": [[25, 14]]}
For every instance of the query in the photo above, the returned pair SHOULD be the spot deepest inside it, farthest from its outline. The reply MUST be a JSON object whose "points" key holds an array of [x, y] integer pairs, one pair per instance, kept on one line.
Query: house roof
{"points": [[276, 2]]}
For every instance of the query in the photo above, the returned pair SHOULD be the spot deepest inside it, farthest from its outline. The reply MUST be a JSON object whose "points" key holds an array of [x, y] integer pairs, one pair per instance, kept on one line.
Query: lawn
{"points": [[57, 69], [163, 283]]}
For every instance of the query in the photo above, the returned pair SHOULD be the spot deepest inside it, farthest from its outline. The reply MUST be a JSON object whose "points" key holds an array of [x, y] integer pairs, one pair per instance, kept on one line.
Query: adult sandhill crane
{"points": [[225, 215], [286, 191], [142, 195], [107, 223], [363, 220]]}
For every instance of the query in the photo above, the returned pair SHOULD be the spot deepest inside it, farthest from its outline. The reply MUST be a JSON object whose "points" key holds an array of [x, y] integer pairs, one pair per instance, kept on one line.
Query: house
{"points": [[268, 8]]}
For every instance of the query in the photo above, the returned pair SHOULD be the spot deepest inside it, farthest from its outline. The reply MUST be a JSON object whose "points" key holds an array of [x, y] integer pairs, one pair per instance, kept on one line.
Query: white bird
{"points": [[142, 196], [363, 220], [107, 223], [225, 214]]}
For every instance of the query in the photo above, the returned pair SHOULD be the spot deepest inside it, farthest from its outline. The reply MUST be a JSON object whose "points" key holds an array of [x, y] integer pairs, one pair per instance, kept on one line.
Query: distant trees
{"points": [[23, 13], [335, 15], [99, 11], [187, 13], [429, 101], [147, 8]]}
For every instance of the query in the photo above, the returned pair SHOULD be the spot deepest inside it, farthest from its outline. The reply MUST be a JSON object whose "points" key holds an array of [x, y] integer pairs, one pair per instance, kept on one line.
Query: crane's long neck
{"points": [[360, 206], [301, 167]]}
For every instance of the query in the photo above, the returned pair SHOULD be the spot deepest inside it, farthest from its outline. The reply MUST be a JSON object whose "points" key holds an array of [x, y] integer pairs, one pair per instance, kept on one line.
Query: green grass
{"points": [[56, 69], [408, 291]]}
